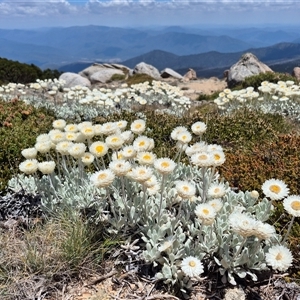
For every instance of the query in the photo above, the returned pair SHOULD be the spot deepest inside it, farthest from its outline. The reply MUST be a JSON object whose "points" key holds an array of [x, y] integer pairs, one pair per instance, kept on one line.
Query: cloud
{"points": [[36, 8], [62, 7], [144, 12]]}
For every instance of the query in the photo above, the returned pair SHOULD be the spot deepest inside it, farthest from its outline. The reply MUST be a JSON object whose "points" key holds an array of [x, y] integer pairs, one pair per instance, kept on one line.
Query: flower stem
{"points": [[289, 229], [240, 248], [161, 197]]}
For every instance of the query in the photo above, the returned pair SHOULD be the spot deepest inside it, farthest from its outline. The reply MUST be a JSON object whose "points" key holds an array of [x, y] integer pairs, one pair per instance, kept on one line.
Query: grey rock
{"points": [[167, 72], [73, 79], [248, 65], [89, 71], [143, 68], [296, 72], [104, 75], [190, 75]]}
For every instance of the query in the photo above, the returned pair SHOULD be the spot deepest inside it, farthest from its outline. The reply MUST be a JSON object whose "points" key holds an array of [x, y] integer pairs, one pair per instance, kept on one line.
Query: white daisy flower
{"points": [[117, 155], [128, 152], [59, 124], [71, 136], [206, 213], [146, 158], [218, 157], [242, 224], [114, 142], [176, 131], [185, 189], [43, 147], [217, 204], [198, 128], [46, 167], [29, 166], [153, 189], [77, 150], [275, 189], [192, 266], [214, 147], [81, 125], [279, 258], [109, 128], [63, 147], [292, 205], [71, 128], [103, 178], [128, 136], [98, 129], [88, 132], [29, 153], [216, 190], [98, 149], [142, 143], [164, 165], [140, 173], [57, 137], [120, 167], [151, 181], [197, 147], [138, 126], [264, 231], [121, 124], [202, 159], [87, 158], [184, 137], [43, 138]]}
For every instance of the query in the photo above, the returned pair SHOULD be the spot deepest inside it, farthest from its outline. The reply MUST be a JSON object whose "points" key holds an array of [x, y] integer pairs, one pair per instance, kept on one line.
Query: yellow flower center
{"points": [[216, 190], [165, 164], [137, 126], [205, 211], [99, 149], [278, 256], [192, 264], [114, 140], [147, 157], [29, 164], [102, 176], [275, 189], [217, 156], [185, 188], [142, 172], [142, 143], [295, 205], [87, 130], [202, 157]]}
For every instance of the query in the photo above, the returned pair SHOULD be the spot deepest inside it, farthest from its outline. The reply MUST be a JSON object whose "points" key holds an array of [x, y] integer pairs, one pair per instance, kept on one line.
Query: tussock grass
{"points": [[43, 258]]}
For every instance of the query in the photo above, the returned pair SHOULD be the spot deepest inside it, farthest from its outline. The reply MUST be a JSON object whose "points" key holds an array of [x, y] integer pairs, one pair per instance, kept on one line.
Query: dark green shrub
{"points": [[244, 128], [20, 124], [139, 78], [13, 71], [117, 77]]}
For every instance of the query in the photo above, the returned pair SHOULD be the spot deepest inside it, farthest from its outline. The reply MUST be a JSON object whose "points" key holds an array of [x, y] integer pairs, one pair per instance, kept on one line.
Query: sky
{"points": [[18, 14]]}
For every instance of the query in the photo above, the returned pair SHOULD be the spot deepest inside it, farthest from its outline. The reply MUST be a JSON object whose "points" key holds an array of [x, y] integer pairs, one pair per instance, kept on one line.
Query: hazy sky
{"points": [[51, 13]]}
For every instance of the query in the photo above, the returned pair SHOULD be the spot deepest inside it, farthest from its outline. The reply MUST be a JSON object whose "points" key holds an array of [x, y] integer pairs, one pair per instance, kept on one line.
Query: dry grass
{"points": [[43, 259]]}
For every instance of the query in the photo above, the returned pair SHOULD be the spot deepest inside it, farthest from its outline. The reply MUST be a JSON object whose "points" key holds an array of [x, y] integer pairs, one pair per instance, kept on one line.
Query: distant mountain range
{"points": [[54, 47], [282, 57]]}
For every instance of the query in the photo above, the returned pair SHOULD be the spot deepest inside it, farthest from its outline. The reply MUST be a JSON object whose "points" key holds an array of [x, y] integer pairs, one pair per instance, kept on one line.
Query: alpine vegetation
{"points": [[281, 97], [81, 104], [184, 220]]}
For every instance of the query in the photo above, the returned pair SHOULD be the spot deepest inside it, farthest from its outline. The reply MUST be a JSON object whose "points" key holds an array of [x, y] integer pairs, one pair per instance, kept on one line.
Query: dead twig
{"points": [[101, 278]]}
